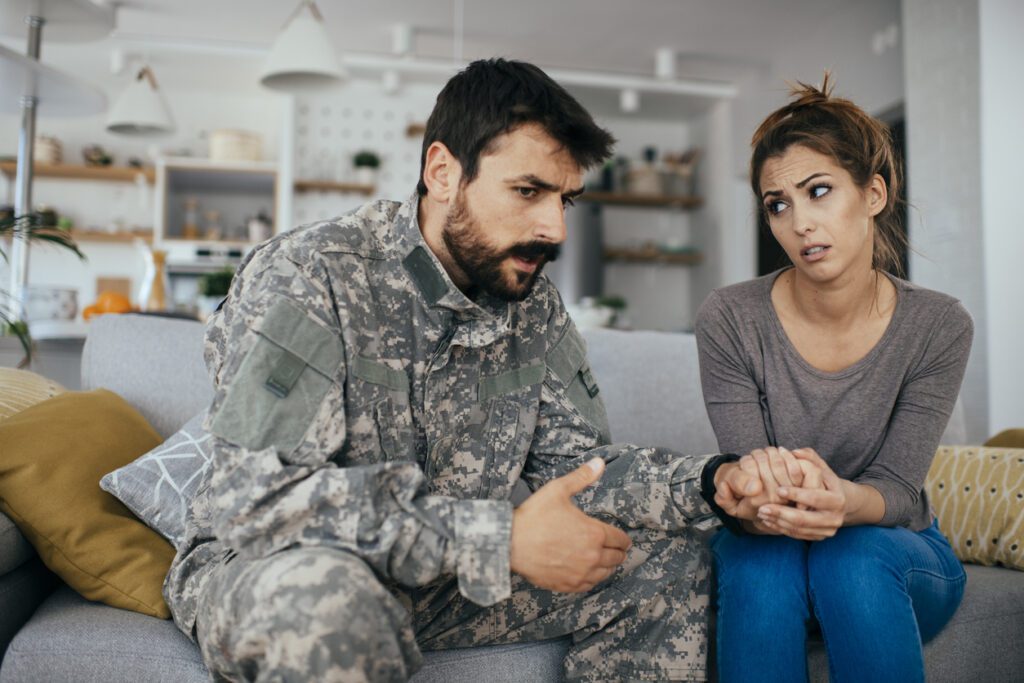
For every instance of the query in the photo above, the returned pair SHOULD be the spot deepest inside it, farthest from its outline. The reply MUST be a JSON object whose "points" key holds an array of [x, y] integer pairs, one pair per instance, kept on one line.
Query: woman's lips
{"points": [[815, 253]]}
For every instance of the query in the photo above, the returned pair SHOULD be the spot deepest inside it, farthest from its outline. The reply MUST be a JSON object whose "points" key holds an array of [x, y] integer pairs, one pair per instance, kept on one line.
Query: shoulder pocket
{"points": [[571, 374], [277, 391]]}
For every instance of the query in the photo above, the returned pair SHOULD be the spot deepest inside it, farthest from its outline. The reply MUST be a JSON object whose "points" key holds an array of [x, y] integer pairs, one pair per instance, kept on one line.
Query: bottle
{"points": [[190, 231], [156, 285]]}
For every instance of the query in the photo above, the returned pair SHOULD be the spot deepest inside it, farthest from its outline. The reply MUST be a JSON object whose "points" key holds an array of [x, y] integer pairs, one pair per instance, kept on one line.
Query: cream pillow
{"points": [[978, 495], [20, 389]]}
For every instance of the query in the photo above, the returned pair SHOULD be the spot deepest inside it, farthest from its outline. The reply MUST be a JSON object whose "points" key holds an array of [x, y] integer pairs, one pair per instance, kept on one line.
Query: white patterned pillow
{"points": [[160, 485]]}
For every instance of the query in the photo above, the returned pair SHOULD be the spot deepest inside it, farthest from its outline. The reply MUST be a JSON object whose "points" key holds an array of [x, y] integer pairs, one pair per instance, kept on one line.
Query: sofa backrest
{"points": [[154, 363], [650, 381]]}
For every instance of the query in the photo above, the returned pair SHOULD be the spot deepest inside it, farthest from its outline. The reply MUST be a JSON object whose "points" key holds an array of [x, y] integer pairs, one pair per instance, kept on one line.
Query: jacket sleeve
{"points": [[278, 422], [648, 487]]}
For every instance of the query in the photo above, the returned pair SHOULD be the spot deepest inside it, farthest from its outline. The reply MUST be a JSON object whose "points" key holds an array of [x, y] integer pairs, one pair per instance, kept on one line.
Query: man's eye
{"points": [[527, 192], [820, 191], [775, 208]]}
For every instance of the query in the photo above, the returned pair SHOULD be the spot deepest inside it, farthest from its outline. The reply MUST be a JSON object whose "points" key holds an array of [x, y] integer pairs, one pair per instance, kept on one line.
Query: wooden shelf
{"points": [[114, 174], [652, 255], [644, 200], [415, 130], [125, 237], [331, 186], [122, 237]]}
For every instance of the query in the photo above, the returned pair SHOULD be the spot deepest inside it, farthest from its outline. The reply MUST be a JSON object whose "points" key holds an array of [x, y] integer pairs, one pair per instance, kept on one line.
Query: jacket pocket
{"points": [[280, 385]]}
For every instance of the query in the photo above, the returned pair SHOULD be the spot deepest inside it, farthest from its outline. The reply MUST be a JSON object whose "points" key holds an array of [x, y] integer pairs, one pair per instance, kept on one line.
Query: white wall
{"points": [[965, 148], [1002, 153]]}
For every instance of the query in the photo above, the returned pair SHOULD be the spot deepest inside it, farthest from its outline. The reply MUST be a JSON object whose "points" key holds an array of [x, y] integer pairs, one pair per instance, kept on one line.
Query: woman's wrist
{"points": [[864, 504]]}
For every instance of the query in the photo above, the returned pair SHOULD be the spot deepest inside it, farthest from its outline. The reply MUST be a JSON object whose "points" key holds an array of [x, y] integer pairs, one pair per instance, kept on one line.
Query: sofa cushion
{"points": [[54, 455], [978, 495], [160, 485], [70, 639], [20, 389]]}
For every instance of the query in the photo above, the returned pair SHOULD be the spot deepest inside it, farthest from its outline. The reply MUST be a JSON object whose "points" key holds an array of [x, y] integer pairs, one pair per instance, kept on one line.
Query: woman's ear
{"points": [[441, 173], [877, 195]]}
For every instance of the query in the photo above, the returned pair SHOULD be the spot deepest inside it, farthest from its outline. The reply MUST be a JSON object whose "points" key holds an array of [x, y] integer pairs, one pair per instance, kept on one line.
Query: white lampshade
{"points": [[302, 58], [141, 109]]}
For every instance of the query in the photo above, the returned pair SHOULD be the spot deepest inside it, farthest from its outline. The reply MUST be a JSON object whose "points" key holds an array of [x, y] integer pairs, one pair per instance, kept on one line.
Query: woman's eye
{"points": [[567, 202], [527, 192], [775, 208], [820, 191]]}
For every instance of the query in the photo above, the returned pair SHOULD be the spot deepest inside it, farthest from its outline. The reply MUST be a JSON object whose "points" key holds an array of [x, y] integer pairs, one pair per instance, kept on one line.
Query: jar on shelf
{"points": [[214, 231], [190, 229]]}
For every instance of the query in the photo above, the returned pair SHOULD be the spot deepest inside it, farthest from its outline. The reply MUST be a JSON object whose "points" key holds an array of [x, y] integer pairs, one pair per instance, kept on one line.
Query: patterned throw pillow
{"points": [[978, 495], [159, 486], [20, 389]]}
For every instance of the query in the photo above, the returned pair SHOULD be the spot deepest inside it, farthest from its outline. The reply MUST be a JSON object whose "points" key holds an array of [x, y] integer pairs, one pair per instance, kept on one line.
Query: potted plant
{"points": [[366, 164], [12, 313], [213, 287]]}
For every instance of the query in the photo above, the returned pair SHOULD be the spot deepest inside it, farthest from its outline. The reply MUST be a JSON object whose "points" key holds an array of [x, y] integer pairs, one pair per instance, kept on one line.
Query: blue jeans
{"points": [[878, 593]]}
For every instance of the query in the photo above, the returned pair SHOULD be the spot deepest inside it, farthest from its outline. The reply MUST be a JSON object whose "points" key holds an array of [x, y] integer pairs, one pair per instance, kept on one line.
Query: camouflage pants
{"points": [[322, 614]]}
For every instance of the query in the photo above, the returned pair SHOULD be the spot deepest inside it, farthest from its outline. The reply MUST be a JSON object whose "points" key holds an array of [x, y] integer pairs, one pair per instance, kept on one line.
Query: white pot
{"points": [[366, 175]]}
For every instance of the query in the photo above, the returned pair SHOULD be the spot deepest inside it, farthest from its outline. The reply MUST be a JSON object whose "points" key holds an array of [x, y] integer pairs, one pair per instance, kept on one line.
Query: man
{"points": [[383, 381]]}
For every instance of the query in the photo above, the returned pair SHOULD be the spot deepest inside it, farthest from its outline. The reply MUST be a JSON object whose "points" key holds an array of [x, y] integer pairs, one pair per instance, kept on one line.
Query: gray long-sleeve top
{"points": [[876, 422]]}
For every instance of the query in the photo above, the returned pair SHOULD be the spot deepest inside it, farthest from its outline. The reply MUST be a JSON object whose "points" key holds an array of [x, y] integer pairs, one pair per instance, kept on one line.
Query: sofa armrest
{"points": [[15, 550], [21, 592]]}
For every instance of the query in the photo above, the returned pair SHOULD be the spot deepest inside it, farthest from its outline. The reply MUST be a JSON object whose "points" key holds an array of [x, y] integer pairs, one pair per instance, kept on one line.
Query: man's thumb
{"points": [[583, 476]]}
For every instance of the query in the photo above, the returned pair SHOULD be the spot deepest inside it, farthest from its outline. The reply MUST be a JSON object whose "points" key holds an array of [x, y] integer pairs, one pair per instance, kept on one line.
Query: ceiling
{"points": [[612, 35], [204, 44]]}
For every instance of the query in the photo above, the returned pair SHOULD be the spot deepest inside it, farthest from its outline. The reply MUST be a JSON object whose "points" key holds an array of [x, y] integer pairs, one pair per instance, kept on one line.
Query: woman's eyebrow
{"points": [[776, 193]]}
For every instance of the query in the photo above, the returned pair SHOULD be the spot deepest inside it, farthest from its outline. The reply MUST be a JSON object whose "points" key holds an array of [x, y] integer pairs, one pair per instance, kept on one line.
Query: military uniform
{"points": [[370, 423]]}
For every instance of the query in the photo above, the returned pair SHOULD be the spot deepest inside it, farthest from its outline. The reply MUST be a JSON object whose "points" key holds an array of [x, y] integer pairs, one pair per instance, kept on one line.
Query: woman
{"points": [[837, 363]]}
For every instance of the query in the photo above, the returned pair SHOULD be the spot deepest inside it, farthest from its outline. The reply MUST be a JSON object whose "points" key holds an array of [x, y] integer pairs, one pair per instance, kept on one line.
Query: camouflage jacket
{"points": [[363, 402]]}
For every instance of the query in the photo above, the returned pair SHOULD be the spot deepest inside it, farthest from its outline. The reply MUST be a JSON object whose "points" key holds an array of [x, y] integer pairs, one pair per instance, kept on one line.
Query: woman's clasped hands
{"points": [[782, 492]]}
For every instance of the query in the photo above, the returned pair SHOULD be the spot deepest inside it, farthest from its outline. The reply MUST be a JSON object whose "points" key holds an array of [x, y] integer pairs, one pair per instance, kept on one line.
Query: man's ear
{"points": [[442, 173], [877, 194]]}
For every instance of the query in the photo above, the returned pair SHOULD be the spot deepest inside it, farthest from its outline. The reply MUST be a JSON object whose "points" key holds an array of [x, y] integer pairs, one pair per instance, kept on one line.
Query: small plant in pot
{"points": [[213, 287], [366, 164]]}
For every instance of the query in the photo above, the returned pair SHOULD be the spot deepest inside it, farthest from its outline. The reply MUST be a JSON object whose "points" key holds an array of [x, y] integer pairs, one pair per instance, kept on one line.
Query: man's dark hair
{"points": [[491, 97]]}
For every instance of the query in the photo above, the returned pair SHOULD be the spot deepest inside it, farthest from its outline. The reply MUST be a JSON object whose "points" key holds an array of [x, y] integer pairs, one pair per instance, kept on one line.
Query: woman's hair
{"points": [[858, 142]]}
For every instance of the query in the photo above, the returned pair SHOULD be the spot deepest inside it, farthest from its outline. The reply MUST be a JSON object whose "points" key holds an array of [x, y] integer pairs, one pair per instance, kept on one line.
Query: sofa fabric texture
{"points": [[651, 389]]}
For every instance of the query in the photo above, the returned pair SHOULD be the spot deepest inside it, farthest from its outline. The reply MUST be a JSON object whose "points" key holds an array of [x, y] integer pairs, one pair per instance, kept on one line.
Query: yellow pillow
{"points": [[1008, 438], [978, 495], [20, 389], [52, 457]]}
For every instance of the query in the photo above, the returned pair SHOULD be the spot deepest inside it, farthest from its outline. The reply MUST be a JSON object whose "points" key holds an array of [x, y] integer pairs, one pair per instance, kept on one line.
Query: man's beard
{"points": [[482, 263]]}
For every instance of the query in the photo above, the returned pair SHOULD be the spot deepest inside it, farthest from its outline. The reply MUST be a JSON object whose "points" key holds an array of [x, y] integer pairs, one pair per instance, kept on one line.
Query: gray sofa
{"points": [[652, 391]]}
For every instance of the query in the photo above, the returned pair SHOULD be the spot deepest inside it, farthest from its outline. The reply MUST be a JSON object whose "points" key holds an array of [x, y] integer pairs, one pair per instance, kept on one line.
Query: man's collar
{"points": [[433, 281]]}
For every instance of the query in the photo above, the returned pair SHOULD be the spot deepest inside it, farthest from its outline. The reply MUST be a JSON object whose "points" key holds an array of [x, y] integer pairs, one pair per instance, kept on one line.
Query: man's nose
{"points": [[550, 226]]}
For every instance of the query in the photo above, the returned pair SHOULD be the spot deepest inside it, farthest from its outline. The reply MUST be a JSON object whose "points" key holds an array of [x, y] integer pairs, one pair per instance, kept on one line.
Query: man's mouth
{"points": [[529, 257]]}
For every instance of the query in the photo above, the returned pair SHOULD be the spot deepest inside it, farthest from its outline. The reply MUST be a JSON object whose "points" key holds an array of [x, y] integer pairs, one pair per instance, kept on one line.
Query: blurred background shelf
{"points": [[117, 174], [332, 186], [651, 255], [654, 201]]}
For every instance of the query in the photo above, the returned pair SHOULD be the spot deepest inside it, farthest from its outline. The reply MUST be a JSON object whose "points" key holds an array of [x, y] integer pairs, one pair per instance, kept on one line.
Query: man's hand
{"points": [[557, 547]]}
